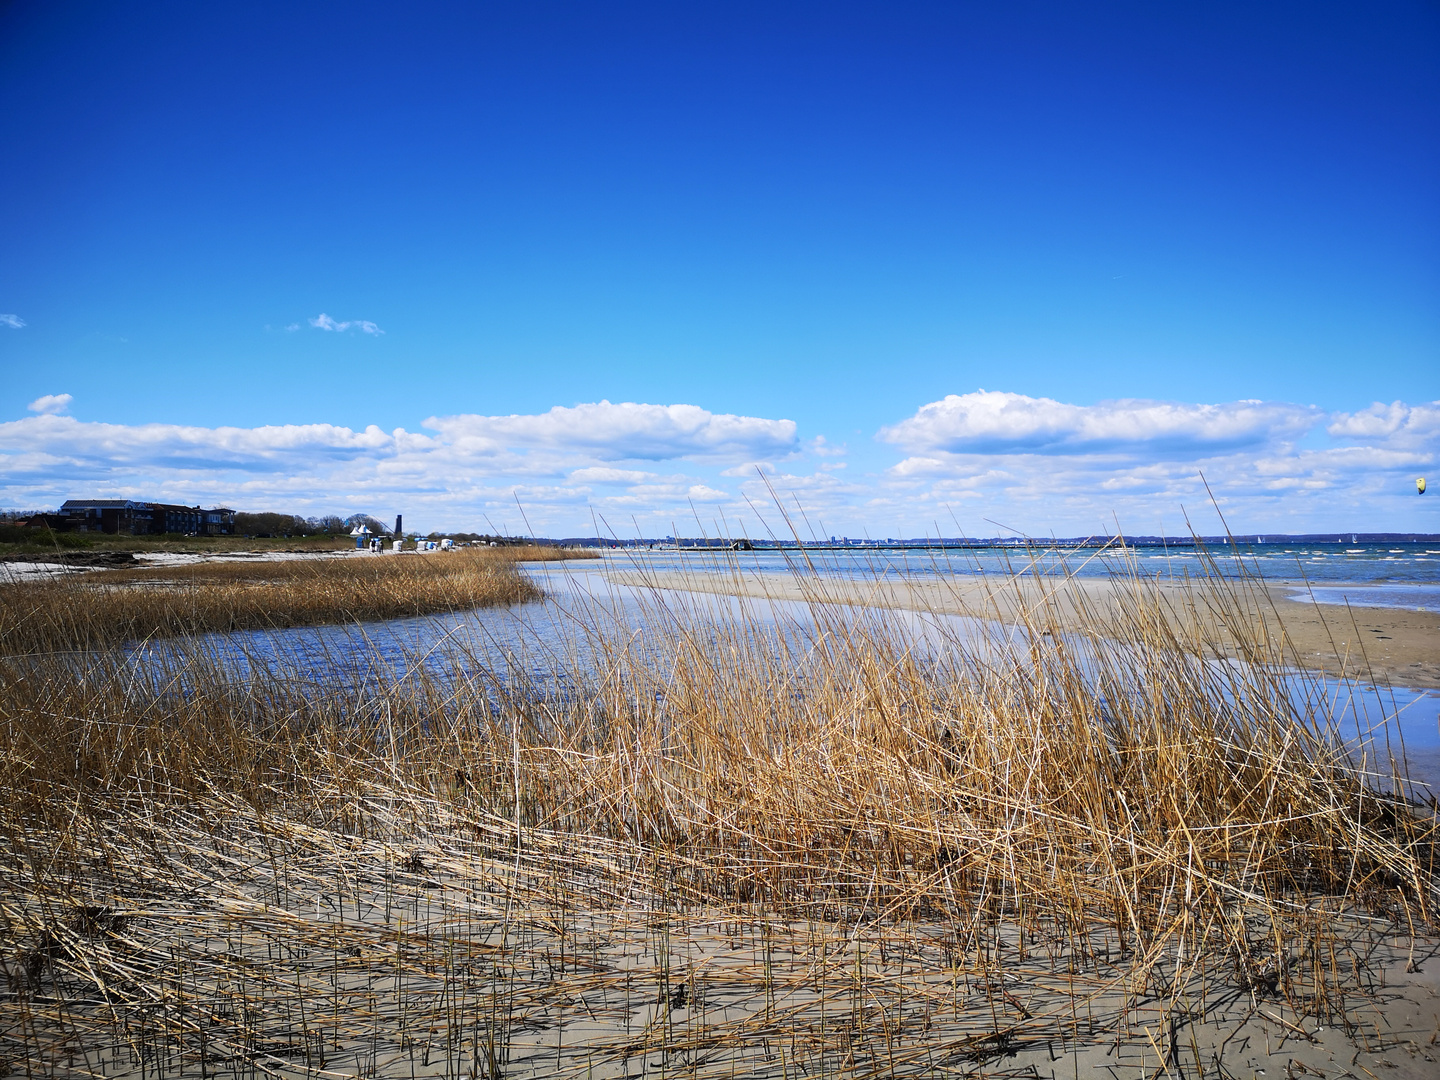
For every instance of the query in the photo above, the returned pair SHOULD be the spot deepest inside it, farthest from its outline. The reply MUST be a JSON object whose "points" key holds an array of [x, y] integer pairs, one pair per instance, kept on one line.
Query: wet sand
{"points": [[1401, 647], [1384, 645]]}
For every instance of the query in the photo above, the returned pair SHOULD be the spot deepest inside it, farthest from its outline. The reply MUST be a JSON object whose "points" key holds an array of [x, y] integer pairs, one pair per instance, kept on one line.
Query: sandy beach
{"points": [[1385, 645]]}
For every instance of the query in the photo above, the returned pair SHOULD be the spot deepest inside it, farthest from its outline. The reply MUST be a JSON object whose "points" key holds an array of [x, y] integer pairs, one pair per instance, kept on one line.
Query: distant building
{"points": [[137, 518], [219, 521]]}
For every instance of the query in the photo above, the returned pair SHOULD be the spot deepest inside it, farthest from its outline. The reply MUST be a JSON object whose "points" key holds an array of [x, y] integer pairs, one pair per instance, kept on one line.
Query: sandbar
{"points": [[1380, 645]]}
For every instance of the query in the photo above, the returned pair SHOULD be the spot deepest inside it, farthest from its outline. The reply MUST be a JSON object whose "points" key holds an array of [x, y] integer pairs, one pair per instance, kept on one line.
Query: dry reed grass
{"points": [[114, 606], [825, 845]]}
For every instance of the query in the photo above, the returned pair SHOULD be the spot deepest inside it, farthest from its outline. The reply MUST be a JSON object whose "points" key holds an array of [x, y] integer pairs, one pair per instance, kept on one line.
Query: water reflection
{"points": [[547, 649]]}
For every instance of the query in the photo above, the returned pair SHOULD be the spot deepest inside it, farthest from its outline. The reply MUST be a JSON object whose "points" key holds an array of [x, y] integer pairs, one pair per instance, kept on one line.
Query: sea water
{"points": [[1403, 574]]}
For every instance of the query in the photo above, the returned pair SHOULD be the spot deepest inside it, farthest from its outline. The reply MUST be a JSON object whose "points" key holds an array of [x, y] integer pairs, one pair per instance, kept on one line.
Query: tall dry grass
{"points": [[825, 842], [114, 606]]}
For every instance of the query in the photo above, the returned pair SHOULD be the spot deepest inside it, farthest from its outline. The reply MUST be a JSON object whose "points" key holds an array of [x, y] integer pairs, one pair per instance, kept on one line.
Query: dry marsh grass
{"points": [[113, 606], [816, 845]]}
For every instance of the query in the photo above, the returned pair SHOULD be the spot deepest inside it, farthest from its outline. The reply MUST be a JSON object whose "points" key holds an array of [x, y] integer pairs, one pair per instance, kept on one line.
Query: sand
{"points": [[425, 949], [1388, 646], [27, 567], [1400, 646]]}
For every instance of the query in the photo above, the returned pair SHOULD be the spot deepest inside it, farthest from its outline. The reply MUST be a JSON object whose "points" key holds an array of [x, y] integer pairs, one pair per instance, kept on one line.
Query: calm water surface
{"points": [[546, 645]]}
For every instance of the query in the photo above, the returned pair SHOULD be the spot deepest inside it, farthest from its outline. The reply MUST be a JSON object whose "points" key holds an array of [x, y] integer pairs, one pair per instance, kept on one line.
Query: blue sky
{"points": [[921, 265]]}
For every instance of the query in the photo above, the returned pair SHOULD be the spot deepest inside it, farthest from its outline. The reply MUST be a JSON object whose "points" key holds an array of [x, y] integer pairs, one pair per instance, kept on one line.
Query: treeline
{"points": [[267, 524], [24, 536], [489, 538]]}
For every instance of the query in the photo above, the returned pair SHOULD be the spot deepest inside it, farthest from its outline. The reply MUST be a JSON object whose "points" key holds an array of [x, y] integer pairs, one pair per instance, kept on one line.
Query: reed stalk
{"points": [[111, 607], [733, 841]]}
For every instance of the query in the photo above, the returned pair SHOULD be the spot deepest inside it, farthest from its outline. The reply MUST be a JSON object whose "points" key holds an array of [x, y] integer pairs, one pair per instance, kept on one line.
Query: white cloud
{"points": [[181, 446], [1396, 424], [15, 322], [600, 475], [747, 470], [559, 462], [922, 466], [625, 431], [49, 404], [996, 421], [1050, 466], [325, 322], [705, 493], [1139, 461]]}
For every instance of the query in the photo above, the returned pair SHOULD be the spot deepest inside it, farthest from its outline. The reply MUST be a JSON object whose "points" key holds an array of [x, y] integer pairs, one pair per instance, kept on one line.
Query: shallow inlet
{"points": [[553, 645]]}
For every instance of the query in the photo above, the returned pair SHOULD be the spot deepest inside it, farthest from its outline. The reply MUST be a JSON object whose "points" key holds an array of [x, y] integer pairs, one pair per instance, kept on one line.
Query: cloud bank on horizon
{"points": [[1039, 465], [997, 421]]}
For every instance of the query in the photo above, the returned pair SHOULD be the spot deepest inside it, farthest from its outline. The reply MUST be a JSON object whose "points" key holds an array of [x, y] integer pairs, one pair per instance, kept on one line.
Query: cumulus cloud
{"points": [[325, 322], [49, 404], [705, 493], [953, 466], [1054, 466], [180, 446], [747, 469], [996, 421], [625, 431], [596, 474], [559, 462], [14, 322], [1396, 424]]}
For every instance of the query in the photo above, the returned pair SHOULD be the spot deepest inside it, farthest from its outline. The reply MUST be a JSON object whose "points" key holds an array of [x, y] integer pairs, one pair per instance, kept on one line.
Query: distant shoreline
{"points": [[1218, 544]]}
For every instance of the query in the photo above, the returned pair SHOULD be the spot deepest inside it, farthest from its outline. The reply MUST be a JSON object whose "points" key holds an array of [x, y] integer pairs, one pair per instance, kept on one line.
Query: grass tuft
{"points": [[110, 607]]}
